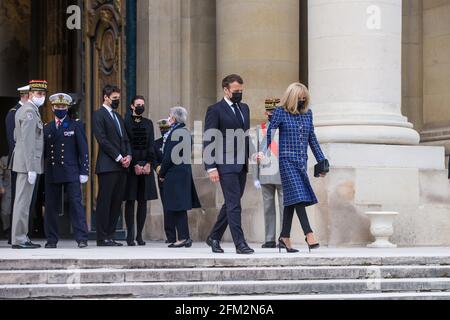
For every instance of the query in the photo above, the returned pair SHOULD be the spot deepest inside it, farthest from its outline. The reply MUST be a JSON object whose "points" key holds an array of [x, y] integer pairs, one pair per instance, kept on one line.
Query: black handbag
{"points": [[321, 167]]}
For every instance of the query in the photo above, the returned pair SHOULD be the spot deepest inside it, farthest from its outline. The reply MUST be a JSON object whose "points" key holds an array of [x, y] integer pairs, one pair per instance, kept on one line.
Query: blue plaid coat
{"points": [[296, 132]]}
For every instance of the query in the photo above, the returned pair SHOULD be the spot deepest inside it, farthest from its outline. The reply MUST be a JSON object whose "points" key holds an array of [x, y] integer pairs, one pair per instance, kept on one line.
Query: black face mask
{"points": [[300, 105], [139, 110], [236, 97], [115, 104]]}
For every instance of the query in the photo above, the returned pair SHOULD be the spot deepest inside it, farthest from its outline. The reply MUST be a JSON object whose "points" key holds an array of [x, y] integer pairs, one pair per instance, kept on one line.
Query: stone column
{"points": [[355, 71], [260, 41]]}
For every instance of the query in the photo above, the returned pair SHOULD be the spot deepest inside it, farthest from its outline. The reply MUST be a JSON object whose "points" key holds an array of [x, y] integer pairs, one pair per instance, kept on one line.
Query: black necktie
{"points": [[237, 113], [116, 121]]}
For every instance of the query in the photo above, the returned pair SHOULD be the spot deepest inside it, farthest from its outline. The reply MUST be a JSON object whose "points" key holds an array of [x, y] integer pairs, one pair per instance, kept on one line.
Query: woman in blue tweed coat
{"points": [[296, 131]]}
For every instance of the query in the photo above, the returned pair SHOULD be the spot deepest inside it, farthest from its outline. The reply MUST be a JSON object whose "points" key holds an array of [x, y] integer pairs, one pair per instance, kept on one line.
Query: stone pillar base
{"points": [[411, 180]]}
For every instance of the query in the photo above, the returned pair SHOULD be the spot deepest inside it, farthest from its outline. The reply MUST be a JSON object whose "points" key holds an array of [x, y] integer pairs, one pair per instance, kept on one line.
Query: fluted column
{"points": [[258, 39], [355, 71]]}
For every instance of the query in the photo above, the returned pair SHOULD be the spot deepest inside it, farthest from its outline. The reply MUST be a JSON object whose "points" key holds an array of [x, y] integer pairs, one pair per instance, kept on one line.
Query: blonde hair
{"points": [[289, 101]]}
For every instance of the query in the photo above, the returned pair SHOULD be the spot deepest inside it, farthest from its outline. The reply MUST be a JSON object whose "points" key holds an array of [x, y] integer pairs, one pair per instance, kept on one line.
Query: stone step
{"points": [[103, 275], [220, 288], [283, 260], [355, 296]]}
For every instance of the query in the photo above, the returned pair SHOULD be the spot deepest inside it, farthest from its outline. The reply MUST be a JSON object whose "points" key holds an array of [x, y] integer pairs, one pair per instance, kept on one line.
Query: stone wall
{"points": [[15, 17]]}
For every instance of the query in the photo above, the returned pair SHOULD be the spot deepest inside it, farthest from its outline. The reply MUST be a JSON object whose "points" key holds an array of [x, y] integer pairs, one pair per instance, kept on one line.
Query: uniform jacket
{"points": [[29, 137], [66, 151], [10, 124], [267, 172]]}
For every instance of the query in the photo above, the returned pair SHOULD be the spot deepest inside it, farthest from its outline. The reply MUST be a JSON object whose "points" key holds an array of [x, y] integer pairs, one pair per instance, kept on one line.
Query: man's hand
{"points": [[147, 169], [138, 170], [2, 190], [158, 169], [214, 176], [83, 179], [32, 177], [126, 161], [259, 157], [257, 184]]}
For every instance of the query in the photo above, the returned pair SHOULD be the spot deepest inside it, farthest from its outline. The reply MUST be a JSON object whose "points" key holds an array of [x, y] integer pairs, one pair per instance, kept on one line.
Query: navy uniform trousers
{"points": [[53, 205]]}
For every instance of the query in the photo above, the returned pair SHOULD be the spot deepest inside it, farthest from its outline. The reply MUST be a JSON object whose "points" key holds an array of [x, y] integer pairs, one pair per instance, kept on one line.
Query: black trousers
{"points": [[53, 199], [233, 186], [171, 235], [177, 222], [111, 188], [141, 213], [288, 214]]}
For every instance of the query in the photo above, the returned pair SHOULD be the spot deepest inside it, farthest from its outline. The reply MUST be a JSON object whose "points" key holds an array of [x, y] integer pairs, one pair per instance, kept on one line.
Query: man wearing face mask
{"points": [[141, 185], [66, 165], [10, 125], [164, 128], [266, 176], [113, 160], [228, 163], [28, 161]]}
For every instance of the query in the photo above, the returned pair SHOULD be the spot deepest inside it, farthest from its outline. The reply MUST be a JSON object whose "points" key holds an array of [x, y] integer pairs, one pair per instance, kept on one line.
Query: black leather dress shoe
{"points": [[104, 243], [131, 243], [244, 249], [50, 245], [26, 245], [116, 244], [269, 244], [215, 245], [140, 242], [82, 244]]}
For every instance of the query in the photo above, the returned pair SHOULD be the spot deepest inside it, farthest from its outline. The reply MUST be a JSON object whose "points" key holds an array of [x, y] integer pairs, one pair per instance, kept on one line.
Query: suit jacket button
{"points": [[53, 163], [62, 162]]}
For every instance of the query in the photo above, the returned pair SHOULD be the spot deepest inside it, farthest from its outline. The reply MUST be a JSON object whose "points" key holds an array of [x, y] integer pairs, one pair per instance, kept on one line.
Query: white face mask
{"points": [[38, 101]]}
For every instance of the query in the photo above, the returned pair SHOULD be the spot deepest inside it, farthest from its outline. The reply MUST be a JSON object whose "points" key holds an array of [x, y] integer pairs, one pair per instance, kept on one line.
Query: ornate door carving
{"points": [[105, 57]]}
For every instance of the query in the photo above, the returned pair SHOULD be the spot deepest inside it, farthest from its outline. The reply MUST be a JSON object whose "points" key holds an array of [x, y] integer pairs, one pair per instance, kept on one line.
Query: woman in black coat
{"points": [[179, 193], [140, 180]]}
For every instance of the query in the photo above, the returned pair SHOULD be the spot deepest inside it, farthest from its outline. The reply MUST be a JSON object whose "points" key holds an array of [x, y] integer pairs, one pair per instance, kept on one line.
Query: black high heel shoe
{"points": [[283, 245], [312, 246]]}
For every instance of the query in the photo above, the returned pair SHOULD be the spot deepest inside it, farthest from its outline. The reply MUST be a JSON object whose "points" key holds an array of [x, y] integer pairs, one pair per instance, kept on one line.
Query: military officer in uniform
{"points": [[10, 124], [66, 165], [266, 176], [28, 161], [164, 128]]}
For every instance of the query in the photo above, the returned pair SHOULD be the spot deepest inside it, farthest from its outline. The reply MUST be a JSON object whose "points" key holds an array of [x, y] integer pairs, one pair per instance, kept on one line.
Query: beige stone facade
{"points": [[383, 87]]}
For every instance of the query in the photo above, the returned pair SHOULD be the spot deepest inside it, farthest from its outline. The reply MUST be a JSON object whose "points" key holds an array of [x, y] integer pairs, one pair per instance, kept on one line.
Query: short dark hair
{"points": [[137, 98], [230, 79], [108, 90]]}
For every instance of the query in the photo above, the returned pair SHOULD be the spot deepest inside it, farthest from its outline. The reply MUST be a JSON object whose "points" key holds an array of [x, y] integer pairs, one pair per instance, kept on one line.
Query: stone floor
{"points": [[159, 250]]}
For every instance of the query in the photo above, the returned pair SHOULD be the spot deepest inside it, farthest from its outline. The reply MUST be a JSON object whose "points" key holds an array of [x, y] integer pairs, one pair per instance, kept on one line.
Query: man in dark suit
{"points": [[228, 160], [113, 160]]}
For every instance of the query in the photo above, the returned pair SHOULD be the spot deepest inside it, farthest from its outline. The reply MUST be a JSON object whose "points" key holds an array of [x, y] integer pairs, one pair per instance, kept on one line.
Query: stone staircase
{"points": [[286, 277]]}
